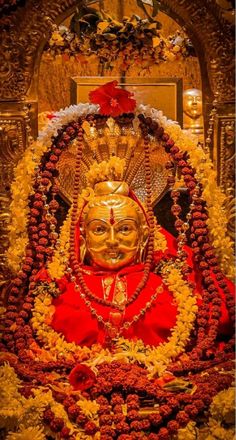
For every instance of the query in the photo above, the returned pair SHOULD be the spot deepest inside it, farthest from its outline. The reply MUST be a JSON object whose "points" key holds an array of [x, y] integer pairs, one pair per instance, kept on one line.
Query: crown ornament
{"points": [[113, 149]]}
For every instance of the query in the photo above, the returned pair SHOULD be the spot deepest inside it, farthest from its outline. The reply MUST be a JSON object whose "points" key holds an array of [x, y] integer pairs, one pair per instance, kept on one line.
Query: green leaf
{"points": [[155, 9]]}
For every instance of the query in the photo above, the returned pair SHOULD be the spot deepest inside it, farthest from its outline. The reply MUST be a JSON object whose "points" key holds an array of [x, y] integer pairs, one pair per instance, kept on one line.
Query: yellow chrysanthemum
{"points": [[89, 407], [112, 169], [32, 433], [188, 433], [223, 406]]}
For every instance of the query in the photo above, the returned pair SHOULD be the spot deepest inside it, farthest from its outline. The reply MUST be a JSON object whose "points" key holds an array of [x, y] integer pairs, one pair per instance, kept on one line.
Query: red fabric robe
{"points": [[74, 319]]}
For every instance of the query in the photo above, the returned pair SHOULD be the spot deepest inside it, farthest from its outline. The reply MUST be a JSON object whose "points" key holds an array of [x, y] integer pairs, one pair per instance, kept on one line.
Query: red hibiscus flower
{"points": [[113, 101], [81, 377]]}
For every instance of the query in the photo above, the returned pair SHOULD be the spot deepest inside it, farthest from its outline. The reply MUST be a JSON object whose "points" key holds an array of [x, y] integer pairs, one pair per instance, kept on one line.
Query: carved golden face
{"points": [[114, 231], [192, 103]]}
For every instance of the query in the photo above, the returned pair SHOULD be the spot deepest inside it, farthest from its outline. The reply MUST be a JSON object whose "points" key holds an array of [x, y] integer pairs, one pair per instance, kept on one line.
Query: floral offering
{"points": [[129, 41]]}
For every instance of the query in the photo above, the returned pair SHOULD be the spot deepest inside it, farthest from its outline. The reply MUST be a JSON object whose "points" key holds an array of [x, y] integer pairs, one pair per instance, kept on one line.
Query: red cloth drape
{"points": [[74, 319]]}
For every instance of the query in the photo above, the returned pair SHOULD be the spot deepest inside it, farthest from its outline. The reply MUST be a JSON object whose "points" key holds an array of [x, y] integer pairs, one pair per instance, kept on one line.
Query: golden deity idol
{"points": [[111, 313], [193, 116], [114, 231]]}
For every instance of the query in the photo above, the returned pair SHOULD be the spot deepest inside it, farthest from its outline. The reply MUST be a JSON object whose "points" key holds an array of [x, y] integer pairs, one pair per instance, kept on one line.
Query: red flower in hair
{"points": [[113, 101], [82, 377]]}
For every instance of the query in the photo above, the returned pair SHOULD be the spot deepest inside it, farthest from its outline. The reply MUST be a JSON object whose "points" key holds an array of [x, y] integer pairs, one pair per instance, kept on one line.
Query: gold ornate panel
{"points": [[225, 131], [225, 162], [14, 118]]}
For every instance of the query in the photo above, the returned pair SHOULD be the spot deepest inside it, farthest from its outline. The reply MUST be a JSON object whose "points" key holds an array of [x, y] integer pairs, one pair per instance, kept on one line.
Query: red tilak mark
{"points": [[112, 218]]}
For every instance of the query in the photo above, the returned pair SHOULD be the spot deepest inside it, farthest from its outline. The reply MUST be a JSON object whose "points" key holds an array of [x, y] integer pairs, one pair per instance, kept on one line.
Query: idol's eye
{"points": [[125, 229], [99, 229]]}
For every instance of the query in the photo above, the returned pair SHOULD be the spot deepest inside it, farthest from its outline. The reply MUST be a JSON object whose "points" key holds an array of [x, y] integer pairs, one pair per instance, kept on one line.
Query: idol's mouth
{"points": [[113, 254]]}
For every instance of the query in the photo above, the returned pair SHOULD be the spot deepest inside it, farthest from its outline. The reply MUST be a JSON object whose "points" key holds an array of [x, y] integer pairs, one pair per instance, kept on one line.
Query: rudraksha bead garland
{"points": [[208, 315], [120, 384], [42, 225], [41, 230], [21, 280], [149, 257], [75, 267], [203, 342]]}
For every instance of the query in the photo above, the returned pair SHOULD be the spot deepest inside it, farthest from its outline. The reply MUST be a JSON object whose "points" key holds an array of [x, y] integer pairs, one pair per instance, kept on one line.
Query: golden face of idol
{"points": [[114, 232], [192, 103]]}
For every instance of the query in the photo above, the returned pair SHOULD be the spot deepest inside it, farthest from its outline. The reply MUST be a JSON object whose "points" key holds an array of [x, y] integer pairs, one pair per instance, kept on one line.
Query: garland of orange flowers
{"points": [[156, 359]]}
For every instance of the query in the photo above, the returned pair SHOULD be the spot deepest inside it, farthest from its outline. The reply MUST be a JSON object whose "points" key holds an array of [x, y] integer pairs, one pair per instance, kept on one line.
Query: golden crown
{"points": [[114, 151]]}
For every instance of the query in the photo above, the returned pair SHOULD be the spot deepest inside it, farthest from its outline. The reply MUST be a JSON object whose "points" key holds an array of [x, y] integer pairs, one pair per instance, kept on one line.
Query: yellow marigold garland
{"points": [[156, 359], [57, 267], [23, 416], [21, 189]]}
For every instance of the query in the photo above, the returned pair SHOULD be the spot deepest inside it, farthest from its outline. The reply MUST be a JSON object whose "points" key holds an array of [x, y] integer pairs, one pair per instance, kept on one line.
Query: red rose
{"points": [[112, 101], [81, 377]]}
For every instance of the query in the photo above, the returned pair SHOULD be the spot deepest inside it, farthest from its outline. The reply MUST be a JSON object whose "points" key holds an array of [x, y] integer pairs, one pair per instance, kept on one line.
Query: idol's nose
{"points": [[195, 100], [112, 240]]}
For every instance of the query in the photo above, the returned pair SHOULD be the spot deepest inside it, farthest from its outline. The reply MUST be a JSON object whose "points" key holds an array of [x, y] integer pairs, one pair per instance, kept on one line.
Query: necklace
{"points": [[156, 359], [87, 292], [113, 328]]}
